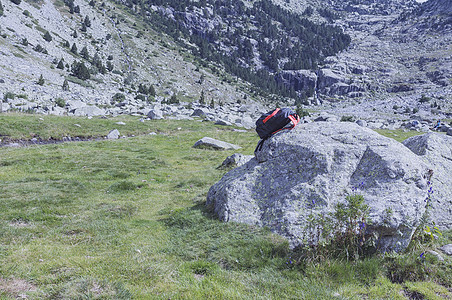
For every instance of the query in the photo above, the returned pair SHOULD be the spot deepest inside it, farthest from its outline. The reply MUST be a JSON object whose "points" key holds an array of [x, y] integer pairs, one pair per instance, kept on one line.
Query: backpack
{"points": [[274, 121]]}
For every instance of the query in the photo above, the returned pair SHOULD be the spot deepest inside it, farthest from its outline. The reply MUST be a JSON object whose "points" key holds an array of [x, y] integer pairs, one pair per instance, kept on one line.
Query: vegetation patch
{"points": [[63, 236]]}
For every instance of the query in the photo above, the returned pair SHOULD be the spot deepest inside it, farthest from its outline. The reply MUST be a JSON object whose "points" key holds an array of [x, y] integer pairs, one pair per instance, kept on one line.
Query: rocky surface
{"points": [[313, 167], [210, 143], [235, 160], [436, 151]]}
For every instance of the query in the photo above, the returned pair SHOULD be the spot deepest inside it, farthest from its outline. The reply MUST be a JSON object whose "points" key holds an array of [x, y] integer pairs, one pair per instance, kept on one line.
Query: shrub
{"points": [[342, 233], [9, 95], [301, 112], [424, 99], [16, 1], [26, 13], [173, 99], [60, 101], [347, 119], [118, 97]]}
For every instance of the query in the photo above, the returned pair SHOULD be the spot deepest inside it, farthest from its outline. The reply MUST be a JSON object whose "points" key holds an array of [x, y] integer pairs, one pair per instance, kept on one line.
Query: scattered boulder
{"points": [[155, 114], [361, 123], [89, 111], [308, 170], [435, 150], [210, 143], [235, 160], [449, 131], [113, 135]]}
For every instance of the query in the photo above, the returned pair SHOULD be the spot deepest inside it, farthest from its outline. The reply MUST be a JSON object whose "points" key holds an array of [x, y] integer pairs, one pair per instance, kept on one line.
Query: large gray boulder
{"points": [[435, 150], [307, 170]]}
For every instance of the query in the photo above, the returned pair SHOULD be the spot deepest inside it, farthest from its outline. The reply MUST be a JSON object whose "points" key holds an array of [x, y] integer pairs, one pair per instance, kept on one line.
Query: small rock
{"points": [[78, 125], [436, 254], [113, 135], [449, 131], [210, 143], [120, 123], [447, 249], [235, 160], [361, 123]]}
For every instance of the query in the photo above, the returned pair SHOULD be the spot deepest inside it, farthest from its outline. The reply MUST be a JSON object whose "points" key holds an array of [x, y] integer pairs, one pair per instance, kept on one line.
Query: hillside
{"points": [[128, 54], [364, 58]]}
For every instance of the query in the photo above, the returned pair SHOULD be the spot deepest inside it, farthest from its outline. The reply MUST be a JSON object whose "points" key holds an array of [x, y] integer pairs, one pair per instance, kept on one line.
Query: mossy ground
{"points": [[126, 219]]}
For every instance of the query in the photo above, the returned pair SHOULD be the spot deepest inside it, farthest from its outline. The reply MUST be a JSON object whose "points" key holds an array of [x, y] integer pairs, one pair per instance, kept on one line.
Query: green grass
{"points": [[126, 219]]}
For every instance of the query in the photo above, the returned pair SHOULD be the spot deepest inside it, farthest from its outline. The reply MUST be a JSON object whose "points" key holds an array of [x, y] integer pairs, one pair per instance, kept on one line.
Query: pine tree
{"points": [[80, 71], [151, 91], [1, 9], [212, 104], [60, 65], [74, 34], [65, 85], [87, 22], [77, 9], [202, 100], [74, 48], [85, 54], [47, 36], [110, 66], [41, 80]]}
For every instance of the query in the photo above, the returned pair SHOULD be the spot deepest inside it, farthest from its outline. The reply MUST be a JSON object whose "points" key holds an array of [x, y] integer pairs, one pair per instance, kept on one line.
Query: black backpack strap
{"points": [[260, 145]]}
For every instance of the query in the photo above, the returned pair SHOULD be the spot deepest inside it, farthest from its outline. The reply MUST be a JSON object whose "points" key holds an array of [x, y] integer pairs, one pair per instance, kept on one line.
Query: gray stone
{"points": [[155, 114], [199, 113], [235, 160], [223, 122], [447, 249], [435, 150], [449, 132], [361, 123], [308, 170], [89, 111], [210, 143], [436, 254], [113, 135]]}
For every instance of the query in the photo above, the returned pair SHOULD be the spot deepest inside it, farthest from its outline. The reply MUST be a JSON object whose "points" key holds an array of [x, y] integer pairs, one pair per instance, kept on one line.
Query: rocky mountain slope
{"points": [[396, 62], [132, 60]]}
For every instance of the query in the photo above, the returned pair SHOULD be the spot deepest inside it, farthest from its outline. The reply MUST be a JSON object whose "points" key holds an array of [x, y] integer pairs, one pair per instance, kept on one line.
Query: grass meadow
{"points": [[126, 219]]}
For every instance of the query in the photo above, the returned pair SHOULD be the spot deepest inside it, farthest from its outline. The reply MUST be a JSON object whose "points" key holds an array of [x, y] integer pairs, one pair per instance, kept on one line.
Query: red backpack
{"points": [[274, 121]]}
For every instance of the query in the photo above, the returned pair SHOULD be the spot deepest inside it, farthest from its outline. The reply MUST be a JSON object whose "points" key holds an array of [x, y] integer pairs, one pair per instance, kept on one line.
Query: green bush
{"points": [[118, 97], [60, 102], [9, 95], [347, 119]]}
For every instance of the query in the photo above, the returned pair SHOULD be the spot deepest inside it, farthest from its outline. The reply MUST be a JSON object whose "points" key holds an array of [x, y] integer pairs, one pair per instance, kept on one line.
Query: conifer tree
{"points": [[41, 80], [85, 54], [65, 85], [202, 100], [60, 65], [47, 36], [110, 66], [87, 22], [80, 71], [151, 91], [74, 48], [1, 9]]}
